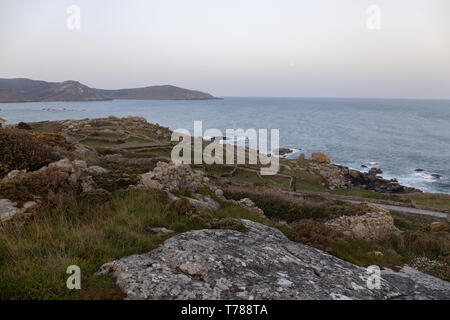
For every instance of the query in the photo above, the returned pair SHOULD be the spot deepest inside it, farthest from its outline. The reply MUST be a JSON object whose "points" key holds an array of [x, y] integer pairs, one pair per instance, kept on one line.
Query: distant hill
{"points": [[27, 90], [166, 92]]}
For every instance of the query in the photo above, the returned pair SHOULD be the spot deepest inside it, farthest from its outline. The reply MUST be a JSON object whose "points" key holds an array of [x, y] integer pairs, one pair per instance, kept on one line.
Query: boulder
{"points": [[258, 264], [8, 210], [377, 224], [95, 170], [75, 171], [375, 171], [172, 177], [301, 156], [202, 202], [161, 232], [320, 157]]}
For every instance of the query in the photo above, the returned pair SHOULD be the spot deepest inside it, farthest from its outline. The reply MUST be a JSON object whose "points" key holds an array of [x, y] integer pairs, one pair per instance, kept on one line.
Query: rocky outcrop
{"points": [[9, 209], [172, 177], [371, 181], [259, 264], [377, 224], [282, 151], [201, 202], [320, 157], [75, 171]]}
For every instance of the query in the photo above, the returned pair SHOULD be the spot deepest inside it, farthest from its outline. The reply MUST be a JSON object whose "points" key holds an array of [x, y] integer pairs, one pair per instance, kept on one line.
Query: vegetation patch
{"points": [[20, 150]]}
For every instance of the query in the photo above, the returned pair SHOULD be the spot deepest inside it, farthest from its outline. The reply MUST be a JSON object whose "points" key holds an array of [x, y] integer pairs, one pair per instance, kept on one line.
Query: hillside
{"points": [[27, 90], [165, 92]]}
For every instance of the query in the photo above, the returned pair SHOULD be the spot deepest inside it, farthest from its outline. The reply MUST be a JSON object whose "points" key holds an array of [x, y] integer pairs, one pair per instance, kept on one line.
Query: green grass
{"points": [[99, 143], [277, 181], [308, 181], [435, 203], [34, 258], [368, 194]]}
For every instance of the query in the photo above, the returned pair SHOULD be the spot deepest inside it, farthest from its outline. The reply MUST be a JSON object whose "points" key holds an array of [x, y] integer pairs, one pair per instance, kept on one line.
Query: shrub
{"points": [[182, 206], [315, 234], [96, 196], [55, 140], [23, 126], [288, 208], [49, 183], [20, 151], [229, 223]]}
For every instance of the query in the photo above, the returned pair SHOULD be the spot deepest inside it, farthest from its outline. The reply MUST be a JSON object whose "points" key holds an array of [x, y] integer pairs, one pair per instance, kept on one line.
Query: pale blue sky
{"points": [[234, 47]]}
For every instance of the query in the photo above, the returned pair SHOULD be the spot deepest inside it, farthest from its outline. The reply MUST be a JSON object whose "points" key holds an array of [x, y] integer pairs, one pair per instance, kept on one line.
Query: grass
{"points": [[368, 194], [308, 181], [435, 203], [34, 258], [99, 143]]}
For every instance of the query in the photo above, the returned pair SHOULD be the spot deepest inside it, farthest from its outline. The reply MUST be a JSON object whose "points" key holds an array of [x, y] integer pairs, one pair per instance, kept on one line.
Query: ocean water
{"points": [[397, 136]]}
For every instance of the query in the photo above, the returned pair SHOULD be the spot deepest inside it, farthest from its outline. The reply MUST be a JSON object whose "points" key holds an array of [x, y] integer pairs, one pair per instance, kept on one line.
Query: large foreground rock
{"points": [[259, 264]]}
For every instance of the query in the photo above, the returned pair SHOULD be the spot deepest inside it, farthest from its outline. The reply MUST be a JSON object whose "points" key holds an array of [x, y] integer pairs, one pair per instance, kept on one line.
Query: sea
{"points": [[395, 135]]}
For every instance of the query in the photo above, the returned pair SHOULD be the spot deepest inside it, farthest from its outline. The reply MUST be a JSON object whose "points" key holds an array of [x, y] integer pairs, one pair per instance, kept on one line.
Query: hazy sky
{"points": [[234, 47]]}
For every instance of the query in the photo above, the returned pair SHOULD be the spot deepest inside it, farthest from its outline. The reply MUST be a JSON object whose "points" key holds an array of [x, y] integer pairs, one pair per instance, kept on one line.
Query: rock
{"points": [[96, 170], [172, 177], [14, 174], [438, 225], [301, 156], [435, 175], [259, 264], [148, 182], [371, 181], [375, 171], [212, 205], [219, 192], [377, 253], [161, 231], [8, 210], [81, 164], [282, 151], [75, 172], [86, 153], [363, 166], [320, 157], [203, 203], [419, 170], [29, 205], [377, 224]]}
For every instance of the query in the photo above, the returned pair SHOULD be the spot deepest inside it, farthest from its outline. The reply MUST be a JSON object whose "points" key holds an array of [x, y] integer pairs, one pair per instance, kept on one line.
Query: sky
{"points": [[286, 48]]}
